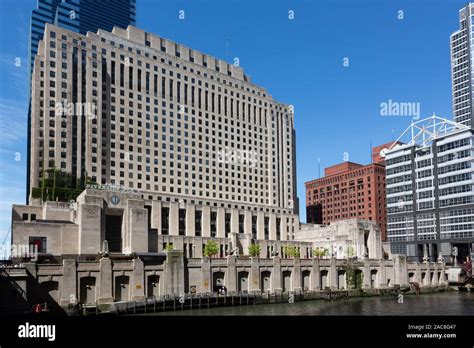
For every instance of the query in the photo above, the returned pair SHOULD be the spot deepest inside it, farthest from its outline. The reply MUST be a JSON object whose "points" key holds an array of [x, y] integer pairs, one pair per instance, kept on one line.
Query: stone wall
{"points": [[114, 280]]}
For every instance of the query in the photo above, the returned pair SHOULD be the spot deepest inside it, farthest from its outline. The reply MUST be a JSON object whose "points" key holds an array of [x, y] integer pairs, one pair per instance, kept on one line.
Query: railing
{"points": [[6, 275]]}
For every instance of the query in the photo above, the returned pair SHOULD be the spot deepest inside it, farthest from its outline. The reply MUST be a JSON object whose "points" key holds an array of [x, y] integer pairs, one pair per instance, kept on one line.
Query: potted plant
{"points": [[254, 250], [211, 249], [320, 252]]}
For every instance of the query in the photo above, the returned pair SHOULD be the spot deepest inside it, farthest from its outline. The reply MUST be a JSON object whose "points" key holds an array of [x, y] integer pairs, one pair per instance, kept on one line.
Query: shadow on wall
{"points": [[15, 301]]}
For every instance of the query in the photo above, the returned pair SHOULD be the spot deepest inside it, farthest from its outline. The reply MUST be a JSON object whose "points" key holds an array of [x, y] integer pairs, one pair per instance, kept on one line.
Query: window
{"points": [[38, 242], [182, 222], [198, 217]]}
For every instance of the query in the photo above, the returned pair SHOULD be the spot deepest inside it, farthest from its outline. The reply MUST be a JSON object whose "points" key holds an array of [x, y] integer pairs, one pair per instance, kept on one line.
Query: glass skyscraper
{"points": [[79, 16], [462, 67]]}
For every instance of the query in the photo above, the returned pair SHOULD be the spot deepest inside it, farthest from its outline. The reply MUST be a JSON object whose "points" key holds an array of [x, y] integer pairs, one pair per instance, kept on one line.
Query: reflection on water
{"points": [[451, 303]]}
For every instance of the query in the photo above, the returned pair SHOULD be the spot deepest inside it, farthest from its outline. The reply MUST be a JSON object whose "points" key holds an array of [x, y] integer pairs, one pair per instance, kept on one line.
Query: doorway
{"points": [[113, 232]]}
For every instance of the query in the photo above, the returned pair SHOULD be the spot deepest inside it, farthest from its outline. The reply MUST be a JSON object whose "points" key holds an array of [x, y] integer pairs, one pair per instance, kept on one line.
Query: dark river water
{"points": [[450, 303]]}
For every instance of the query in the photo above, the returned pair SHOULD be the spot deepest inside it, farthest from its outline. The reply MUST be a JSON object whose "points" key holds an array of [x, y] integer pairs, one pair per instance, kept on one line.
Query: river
{"points": [[446, 303]]}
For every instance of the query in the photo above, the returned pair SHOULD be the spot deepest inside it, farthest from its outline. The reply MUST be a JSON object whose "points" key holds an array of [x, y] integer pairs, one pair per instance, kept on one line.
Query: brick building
{"points": [[349, 191]]}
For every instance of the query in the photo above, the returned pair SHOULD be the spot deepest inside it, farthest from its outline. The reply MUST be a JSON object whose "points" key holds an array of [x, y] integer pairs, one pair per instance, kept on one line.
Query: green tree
{"points": [[211, 249], [254, 250], [320, 252], [169, 247], [56, 184], [291, 251], [350, 251]]}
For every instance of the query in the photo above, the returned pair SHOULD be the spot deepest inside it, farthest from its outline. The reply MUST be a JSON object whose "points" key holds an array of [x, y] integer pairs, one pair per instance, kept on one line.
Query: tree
{"points": [[320, 252], [350, 251], [58, 185], [211, 249], [169, 247], [291, 251], [254, 250]]}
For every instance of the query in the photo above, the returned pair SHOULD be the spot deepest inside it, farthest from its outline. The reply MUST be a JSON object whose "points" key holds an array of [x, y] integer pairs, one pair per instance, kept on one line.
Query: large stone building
{"points": [[462, 67], [80, 16], [349, 191], [430, 199], [134, 110], [132, 224]]}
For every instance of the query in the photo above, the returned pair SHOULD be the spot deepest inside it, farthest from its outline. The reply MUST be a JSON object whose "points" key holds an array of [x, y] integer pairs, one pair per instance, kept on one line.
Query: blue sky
{"points": [[299, 61]]}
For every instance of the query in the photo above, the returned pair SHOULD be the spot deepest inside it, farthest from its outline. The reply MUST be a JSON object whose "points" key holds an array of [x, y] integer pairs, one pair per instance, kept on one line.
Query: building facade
{"points": [[462, 67], [132, 110], [345, 239], [79, 16], [131, 223], [430, 198], [349, 191]]}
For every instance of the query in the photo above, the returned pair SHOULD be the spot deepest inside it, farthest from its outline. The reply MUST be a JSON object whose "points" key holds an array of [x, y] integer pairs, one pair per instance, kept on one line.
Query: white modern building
{"points": [[462, 67], [430, 196]]}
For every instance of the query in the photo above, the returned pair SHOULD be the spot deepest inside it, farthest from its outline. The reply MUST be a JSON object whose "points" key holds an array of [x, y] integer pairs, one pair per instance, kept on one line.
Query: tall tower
{"points": [[462, 67], [79, 16]]}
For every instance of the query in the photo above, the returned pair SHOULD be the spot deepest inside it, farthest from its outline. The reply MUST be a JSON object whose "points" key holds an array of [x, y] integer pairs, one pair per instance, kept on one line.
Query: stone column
{"points": [[276, 283], [156, 215], [260, 225], [367, 280], [206, 221], [231, 274], [138, 278], [435, 280], [106, 281], [382, 275], [138, 230], [206, 274], [400, 269], [89, 221], [442, 278], [247, 222], [427, 274], [234, 221], [417, 273], [174, 273], [69, 285], [190, 220], [254, 274], [297, 274], [333, 274], [283, 232], [272, 227], [220, 222], [174, 219], [316, 275]]}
